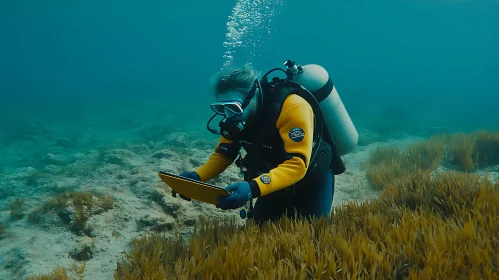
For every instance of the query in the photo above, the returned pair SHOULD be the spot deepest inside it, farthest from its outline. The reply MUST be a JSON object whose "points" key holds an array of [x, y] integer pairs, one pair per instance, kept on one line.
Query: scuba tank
{"points": [[316, 79]]}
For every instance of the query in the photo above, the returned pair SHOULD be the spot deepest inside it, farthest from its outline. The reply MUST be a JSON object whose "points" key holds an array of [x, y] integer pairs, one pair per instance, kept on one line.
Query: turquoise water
{"points": [[104, 73], [94, 72], [97, 71], [92, 56]]}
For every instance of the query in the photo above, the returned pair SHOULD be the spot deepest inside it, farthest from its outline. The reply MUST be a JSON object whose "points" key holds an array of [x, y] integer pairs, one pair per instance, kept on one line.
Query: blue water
{"points": [[420, 55], [435, 61]]}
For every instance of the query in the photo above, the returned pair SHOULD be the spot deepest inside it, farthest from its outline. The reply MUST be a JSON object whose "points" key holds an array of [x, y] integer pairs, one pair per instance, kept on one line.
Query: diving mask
{"points": [[234, 107], [233, 112], [227, 108]]}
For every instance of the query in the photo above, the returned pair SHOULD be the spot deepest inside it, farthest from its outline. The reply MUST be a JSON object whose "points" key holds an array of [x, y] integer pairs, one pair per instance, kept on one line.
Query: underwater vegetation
{"points": [[388, 163], [3, 229], [425, 224], [17, 209], [421, 227], [475, 150], [74, 209], [459, 151], [59, 273]]}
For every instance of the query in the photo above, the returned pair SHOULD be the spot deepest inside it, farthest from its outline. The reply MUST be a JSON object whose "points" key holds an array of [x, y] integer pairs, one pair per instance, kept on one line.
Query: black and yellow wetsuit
{"points": [[279, 147], [295, 125]]}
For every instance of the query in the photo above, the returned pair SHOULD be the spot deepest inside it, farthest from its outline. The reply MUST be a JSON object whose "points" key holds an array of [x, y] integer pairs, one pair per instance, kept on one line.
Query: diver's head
{"points": [[238, 95], [237, 92]]}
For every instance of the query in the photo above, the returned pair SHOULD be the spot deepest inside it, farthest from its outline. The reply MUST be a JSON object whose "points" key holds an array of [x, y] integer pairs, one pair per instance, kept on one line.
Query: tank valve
{"points": [[292, 68], [289, 63]]}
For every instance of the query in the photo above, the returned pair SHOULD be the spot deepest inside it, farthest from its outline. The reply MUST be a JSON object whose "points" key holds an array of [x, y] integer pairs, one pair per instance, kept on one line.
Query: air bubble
{"points": [[249, 28]]}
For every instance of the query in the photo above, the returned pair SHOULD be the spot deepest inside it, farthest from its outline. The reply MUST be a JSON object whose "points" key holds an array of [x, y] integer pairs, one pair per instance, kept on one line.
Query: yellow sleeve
{"points": [[225, 153], [295, 125]]}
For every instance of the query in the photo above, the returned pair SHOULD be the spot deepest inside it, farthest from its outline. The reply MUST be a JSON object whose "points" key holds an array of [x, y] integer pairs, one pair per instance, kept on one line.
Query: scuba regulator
{"points": [[232, 127]]}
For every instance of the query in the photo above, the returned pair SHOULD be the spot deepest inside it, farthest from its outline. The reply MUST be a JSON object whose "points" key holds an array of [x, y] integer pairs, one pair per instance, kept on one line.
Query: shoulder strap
{"points": [[274, 100], [336, 161]]}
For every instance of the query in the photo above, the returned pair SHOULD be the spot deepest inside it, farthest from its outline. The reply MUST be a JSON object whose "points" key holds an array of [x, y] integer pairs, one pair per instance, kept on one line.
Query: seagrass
{"points": [[388, 163], [419, 223], [458, 151]]}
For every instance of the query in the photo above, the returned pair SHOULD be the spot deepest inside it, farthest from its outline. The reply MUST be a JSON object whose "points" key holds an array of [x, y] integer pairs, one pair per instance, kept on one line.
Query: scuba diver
{"points": [[294, 131]]}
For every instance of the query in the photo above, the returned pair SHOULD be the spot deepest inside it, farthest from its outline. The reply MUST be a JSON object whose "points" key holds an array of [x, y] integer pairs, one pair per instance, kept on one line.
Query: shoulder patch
{"points": [[296, 134], [265, 179]]}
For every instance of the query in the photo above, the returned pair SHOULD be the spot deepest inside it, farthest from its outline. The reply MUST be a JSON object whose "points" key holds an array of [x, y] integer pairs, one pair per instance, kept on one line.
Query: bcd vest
{"points": [[265, 148]]}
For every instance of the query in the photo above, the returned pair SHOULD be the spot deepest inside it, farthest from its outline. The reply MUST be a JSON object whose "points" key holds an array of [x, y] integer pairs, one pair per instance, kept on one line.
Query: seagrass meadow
{"points": [[428, 222], [466, 152]]}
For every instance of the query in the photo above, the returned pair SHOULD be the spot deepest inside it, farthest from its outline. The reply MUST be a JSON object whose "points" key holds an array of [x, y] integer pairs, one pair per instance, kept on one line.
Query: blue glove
{"points": [[191, 175], [240, 193]]}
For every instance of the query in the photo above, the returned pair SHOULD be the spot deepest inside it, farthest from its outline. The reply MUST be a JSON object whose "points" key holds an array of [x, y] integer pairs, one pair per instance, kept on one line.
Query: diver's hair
{"points": [[235, 78]]}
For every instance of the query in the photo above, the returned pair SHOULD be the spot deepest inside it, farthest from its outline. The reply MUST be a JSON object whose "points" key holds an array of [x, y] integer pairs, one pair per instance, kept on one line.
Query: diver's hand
{"points": [[191, 175], [240, 193]]}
